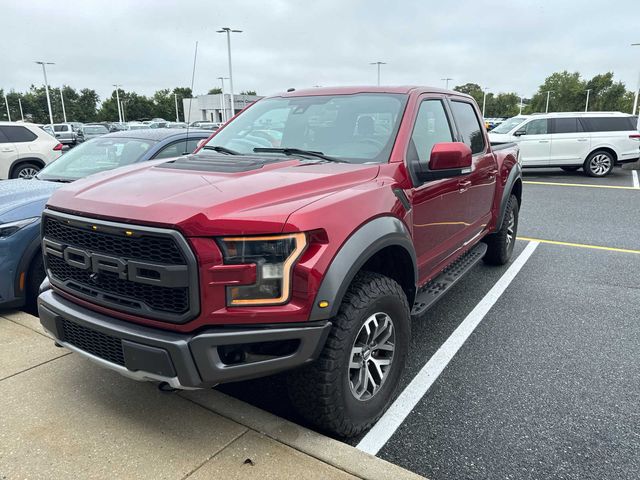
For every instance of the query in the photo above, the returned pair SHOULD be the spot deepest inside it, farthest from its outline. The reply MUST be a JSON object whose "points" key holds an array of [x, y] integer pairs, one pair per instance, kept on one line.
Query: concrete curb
{"points": [[325, 449]]}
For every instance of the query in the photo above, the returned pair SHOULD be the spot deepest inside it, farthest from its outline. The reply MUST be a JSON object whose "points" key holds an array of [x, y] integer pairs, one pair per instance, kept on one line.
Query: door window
{"points": [[178, 148], [609, 124], [431, 127], [17, 134], [468, 125], [60, 128], [566, 125], [536, 127]]}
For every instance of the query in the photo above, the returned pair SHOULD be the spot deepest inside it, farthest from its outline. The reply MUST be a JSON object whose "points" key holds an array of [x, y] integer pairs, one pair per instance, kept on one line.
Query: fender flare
{"points": [[20, 160], [514, 175], [370, 238]]}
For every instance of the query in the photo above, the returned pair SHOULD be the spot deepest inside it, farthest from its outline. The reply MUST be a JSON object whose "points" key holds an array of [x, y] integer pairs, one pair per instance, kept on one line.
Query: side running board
{"points": [[432, 291]]}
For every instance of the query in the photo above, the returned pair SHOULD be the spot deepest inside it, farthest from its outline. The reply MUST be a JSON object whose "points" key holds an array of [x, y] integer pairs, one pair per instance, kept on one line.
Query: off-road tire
{"points": [[321, 391], [500, 244]]}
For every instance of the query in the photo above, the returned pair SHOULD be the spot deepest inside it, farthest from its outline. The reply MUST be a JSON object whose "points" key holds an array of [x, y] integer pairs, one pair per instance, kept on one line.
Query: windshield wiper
{"points": [[219, 149], [54, 179], [297, 151]]}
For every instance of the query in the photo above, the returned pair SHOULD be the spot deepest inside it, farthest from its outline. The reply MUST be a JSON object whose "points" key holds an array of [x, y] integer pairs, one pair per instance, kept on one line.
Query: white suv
{"points": [[594, 141], [24, 149]]}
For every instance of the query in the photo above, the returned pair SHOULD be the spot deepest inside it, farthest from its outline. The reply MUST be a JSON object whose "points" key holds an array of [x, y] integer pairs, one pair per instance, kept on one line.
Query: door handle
{"points": [[582, 139], [464, 185], [543, 141], [6, 150]]}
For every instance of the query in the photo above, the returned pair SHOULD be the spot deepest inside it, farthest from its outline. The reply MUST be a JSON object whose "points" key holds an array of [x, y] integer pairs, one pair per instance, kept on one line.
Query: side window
{"points": [[536, 127], [566, 125], [178, 148], [468, 125], [17, 134], [608, 124], [60, 128], [431, 127], [3, 138]]}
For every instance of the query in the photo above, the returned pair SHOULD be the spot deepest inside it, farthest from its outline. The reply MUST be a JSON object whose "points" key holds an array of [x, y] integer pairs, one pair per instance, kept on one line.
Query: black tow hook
{"points": [[166, 388]]}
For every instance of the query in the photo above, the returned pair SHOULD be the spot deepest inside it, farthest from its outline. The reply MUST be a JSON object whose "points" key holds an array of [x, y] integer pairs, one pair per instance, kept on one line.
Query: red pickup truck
{"points": [[304, 235]]}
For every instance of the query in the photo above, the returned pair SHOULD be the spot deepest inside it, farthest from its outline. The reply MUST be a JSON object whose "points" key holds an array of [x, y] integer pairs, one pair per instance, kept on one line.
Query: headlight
{"points": [[274, 257], [8, 229]]}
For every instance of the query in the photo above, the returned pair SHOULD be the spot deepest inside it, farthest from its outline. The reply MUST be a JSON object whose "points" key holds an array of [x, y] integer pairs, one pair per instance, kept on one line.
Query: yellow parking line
{"points": [[588, 185], [580, 245]]}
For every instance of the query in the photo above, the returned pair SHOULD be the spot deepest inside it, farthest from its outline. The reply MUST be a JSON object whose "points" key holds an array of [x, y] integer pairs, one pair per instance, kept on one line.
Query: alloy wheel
{"points": [[27, 173], [371, 356], [600, 164], [511, 228]]}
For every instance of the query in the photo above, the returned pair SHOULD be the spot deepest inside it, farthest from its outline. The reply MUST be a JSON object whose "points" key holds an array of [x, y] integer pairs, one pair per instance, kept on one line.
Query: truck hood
{"points": [[24, 198], [206, 195]]}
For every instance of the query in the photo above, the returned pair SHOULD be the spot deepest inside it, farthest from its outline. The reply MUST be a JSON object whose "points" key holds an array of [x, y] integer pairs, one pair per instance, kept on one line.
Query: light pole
{"points": [[586, 107], [635, 98], [46, 89], [21, 113], [64, 113], [378, 65], [175, 97], [546, 110], [6, 102], [521, 105], [229, 31], [484, 100], [118, 101], [446, 80], [223, 108]]}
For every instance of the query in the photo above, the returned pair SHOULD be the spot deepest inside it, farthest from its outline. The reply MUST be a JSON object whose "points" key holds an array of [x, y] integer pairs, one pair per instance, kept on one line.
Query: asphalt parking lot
{"points": [[546, 385]]}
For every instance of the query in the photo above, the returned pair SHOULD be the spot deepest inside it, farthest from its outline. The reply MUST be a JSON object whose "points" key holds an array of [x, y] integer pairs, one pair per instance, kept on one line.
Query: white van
{"points": [[594, 141]]}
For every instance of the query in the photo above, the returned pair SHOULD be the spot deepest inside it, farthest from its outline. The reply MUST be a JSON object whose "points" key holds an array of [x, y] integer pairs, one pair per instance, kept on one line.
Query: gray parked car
{"points": [[89, 131], [65, 133]]}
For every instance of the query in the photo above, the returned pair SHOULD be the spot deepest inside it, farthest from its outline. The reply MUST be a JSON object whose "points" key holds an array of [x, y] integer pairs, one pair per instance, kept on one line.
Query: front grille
{"points": [[171, 300], [149, 248], [147, 293], [104, 346]]}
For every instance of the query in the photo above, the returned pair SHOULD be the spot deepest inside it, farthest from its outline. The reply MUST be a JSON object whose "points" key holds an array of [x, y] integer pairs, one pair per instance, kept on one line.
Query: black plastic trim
{"points": [[361, 246], [514, 175], [23, 266], [399, 193], [193, 357]]}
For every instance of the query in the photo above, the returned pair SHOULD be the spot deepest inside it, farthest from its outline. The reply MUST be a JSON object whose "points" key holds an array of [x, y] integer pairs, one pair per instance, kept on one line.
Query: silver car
{"points": [[87, 132], [65, 133]]}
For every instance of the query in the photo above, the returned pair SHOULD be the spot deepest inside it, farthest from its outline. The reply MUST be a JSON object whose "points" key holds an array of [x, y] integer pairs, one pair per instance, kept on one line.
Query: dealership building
{"points": [[216, 107]]}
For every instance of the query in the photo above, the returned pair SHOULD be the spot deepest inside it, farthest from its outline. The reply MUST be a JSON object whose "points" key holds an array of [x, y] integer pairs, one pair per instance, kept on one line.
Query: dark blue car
{"points": [[22, 201]]}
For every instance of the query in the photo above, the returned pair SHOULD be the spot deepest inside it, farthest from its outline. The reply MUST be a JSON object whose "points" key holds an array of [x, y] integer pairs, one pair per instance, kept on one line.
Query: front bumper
{"points": [[182, 360]]}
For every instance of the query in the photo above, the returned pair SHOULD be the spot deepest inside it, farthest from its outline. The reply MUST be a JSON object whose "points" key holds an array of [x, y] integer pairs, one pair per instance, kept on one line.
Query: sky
{"points": [[507, 45]]}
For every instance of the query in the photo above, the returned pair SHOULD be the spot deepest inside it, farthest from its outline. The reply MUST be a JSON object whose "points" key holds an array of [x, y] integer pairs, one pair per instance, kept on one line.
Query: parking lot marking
{"points": [[382, 431], [587, 185], [580, 245], [634, 175]]}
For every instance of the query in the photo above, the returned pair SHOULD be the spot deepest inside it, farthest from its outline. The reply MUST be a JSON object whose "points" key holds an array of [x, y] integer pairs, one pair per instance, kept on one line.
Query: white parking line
{"points": [[634, 174], [382, 431]]}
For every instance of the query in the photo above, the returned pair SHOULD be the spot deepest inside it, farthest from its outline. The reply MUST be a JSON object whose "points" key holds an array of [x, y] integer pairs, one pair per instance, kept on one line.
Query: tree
{"points": [[182, 93], [214, 91], [472, 89], [248, 92]]}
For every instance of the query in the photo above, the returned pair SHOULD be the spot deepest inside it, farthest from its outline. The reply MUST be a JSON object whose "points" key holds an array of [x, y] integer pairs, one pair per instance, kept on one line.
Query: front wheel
{"points": [[353, 382], [599, 164], [500, 244]]}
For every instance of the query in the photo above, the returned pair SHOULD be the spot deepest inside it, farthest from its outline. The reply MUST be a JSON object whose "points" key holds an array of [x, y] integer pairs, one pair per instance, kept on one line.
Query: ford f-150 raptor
{"points": [[303, 235]]}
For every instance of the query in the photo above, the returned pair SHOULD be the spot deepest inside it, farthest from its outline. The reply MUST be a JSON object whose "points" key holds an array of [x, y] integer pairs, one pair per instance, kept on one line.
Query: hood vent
{"points": [[219, 163]]}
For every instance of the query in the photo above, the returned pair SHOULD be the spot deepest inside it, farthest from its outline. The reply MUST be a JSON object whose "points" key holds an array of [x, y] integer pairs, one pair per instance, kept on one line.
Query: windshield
{"points": [[508, 125], [95, 156], [357, 128], [96, 129]]}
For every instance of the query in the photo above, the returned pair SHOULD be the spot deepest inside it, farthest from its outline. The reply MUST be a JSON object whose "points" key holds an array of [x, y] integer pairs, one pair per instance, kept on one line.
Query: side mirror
{"points": [[519, 133], [448, 159]]}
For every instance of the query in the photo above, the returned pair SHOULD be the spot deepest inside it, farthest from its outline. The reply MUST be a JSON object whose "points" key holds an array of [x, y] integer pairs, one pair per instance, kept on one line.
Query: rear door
{"points": [[570, 144], [535, 143], [8, 154]]}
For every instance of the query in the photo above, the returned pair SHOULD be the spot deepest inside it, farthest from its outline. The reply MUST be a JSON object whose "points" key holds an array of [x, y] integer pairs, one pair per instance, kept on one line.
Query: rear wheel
{"points": [[353, 382], [500, 244], [570, 169], [25, 170], [599, 164]]}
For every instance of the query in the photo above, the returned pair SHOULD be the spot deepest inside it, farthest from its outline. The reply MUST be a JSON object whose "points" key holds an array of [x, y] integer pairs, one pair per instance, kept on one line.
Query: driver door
{"points": [[534, 140]]}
